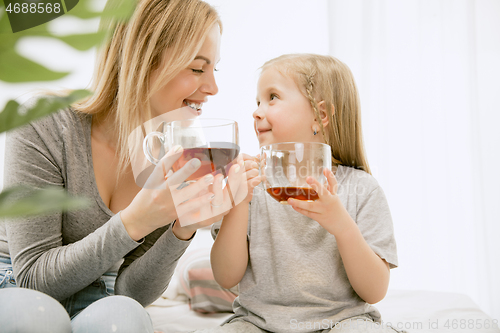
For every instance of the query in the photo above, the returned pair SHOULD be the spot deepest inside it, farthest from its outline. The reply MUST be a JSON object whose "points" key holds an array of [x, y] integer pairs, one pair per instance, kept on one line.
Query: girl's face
{"points": [[193, 84], [284, 114]]}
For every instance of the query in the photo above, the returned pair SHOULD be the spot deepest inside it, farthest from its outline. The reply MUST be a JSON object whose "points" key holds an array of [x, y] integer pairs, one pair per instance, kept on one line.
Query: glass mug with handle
{"points": [[284, 168], [213, 141]]}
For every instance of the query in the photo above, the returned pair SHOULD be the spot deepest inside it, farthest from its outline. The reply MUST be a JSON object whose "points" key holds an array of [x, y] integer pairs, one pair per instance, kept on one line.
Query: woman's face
{"points": [[284, 114], [192, 85]]}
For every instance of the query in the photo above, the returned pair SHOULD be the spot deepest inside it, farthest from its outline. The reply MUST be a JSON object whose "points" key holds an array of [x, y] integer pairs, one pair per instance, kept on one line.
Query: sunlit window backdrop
{"points": [[428, 74]]}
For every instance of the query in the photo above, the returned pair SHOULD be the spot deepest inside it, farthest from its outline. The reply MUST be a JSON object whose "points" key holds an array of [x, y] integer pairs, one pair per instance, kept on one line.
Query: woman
{"points": [[127, 243]]}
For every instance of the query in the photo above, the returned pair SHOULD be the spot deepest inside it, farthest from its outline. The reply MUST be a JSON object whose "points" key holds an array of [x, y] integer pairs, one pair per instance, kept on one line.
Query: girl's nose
{"points": [[258, 114]]}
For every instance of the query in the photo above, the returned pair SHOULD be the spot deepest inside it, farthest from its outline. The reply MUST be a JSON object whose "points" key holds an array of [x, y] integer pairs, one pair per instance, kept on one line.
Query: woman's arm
{"points": [[146, 272], [41, 256], [229, 256]]}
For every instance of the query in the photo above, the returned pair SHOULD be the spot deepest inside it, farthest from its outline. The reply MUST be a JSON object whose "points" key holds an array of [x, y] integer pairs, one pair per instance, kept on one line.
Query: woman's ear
{"points": [[323, 114]]}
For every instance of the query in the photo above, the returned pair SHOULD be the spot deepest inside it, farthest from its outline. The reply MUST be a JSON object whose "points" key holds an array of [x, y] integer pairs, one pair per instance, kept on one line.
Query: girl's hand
{"points": [[252, 175], [160, 202], [328, 210], [242, 179]]}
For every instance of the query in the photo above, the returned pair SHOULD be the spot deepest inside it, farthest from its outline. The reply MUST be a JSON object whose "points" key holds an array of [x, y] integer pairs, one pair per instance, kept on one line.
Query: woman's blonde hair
{"points": [[325, 78], [121, 82]]}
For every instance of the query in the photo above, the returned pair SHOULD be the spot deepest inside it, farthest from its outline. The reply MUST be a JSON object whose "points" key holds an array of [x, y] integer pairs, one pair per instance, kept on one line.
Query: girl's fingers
{"points": [[304, 207], [237, 182], [251, 165], [254, 182], [252, 173], [247, 157], [332, 181], [320, 189]]}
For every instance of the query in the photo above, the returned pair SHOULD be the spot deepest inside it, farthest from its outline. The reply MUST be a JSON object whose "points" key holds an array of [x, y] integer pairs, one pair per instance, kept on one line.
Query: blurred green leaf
{"points": [[83, 42], [83, 10], [11, 118], [119, 9], [15, 68], [23, 201]]}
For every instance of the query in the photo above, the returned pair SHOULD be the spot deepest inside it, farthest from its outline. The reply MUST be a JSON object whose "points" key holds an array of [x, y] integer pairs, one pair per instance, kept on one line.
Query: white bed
{"points": [[410, 310]]}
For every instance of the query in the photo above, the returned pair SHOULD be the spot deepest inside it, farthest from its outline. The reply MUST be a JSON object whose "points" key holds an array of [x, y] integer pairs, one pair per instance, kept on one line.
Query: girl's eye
{"points": [[197, 71], [273, 96]]}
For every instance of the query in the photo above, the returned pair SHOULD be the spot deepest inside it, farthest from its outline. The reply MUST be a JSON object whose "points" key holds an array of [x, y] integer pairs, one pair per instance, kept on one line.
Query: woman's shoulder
{"points": [[54, 123], [64, 119], [55, 130]]}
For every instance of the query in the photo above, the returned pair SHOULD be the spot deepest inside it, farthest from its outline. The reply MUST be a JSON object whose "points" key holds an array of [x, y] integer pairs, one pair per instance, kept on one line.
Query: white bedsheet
{"points": [[413, 311]]}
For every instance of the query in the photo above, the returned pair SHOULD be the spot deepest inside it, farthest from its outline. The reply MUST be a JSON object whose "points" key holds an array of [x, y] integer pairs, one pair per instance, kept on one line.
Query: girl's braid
{"points": [[312, 100]]}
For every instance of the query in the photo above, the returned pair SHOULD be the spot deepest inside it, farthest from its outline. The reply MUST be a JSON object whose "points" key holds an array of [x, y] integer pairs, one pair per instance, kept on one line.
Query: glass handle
{"points": [[147, 148]]}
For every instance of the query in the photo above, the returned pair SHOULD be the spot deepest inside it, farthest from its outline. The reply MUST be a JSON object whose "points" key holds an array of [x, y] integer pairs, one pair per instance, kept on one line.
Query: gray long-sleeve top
{"points": [[62, 253]]}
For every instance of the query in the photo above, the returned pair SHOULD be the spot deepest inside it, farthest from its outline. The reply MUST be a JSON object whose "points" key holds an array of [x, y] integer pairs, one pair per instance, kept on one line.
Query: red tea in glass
{"points": [[282, 194], [214, 160]]}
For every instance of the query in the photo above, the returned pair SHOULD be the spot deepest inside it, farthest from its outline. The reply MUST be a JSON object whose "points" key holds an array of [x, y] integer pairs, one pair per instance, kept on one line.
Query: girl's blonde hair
{"points": [[325, 78], [121, 82]]}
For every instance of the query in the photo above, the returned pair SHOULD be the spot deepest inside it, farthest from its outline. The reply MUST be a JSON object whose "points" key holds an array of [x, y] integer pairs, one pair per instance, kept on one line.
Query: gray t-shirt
{"points": [[295, 276], [63, 253]]}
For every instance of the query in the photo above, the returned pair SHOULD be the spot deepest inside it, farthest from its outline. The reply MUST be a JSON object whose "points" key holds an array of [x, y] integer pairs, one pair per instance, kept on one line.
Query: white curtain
{"points": [[429, 78]]}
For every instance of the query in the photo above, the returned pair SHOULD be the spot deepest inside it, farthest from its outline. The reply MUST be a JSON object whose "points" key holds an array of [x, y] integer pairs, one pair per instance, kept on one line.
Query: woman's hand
{"points": [[160, 202], [328, 210], [242, 178]]}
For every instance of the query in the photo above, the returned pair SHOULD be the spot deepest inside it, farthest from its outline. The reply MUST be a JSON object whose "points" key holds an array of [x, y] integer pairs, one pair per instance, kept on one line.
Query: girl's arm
{"points": [[229, 256], [367, 272]]}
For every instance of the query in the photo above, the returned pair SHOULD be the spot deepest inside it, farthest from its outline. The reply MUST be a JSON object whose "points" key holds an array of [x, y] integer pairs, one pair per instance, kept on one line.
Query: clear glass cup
{"points": [[213, 141], [284, 168]]}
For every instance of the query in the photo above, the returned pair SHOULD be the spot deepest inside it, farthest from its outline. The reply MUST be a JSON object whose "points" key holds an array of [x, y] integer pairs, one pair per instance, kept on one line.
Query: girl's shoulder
{"points": [[350, 176]]}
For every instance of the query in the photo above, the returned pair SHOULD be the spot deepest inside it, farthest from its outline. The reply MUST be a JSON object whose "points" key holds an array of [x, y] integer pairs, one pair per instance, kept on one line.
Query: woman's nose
{"points": [[210, 86]]}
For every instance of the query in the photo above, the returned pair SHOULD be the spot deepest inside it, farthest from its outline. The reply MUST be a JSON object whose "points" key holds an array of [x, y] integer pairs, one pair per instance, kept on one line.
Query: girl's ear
{"points": [[323, 114]]}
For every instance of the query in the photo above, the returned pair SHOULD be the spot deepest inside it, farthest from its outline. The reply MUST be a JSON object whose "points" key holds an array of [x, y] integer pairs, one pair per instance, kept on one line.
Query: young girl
{"points": [[309, 266]]}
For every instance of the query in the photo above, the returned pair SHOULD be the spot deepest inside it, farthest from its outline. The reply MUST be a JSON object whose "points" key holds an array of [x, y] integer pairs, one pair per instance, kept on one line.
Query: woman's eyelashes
{"points": [[201, 71]]}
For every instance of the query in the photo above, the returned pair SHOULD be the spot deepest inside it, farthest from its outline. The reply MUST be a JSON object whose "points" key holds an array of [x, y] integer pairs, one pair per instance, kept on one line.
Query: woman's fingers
{"points": [[183, 173], [218, 200], [189, 211], [157, 178], [192, 190]]}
